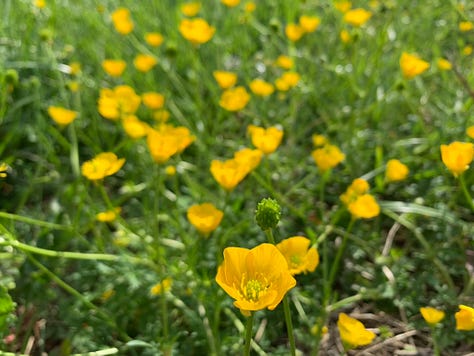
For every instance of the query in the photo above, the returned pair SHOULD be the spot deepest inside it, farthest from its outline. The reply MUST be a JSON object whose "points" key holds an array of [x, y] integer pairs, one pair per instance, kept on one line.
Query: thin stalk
{"points": [[289, 325], [32, 221], [466, 192], [248, 334]]}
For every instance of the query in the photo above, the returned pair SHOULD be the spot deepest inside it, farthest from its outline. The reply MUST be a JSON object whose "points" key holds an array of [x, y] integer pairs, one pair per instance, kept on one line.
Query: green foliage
{"points": [[81, 285]]}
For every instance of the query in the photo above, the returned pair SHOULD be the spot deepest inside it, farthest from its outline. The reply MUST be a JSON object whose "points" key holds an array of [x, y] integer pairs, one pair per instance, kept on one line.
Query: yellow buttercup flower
{"points": [[431, 315], [167, 141], [364, 206], [250, 7], [249, 157], [109, 215], [144, 62], [412, 65], [357, 17], [470, 131], [197, 31], [40, 3], [284, 62], [353, 333], [230, 3], [342, 5], [229, 173], [357, 188], [190, 9], [114, 67], [266, 140], [345, 36], [103, 165], [204, 217], [74, 68], [225, 79], [309, 23], [256, 279], [161, 115], [301, 258], [465, 26], [319, 140], [294, 31], [118, 102], [328, 156], [122, 21], [154, 39], [464, 318], [467, 50], [134, 127], [261, 87], [170, 170], [162, 287], [234, 99], [153, 100], [287, 81], [444, 64], [61, 115], [3, 169], [395, 171], [457, 156]]}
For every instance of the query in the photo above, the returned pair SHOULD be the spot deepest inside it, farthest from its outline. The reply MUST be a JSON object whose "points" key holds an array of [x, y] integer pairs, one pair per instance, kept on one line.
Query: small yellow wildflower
{"points": [[230, 3], [431, 315], [153, 100], [134, 127], [74, 68], [357, 188], [284, 62], [319, 140], [144, 62], [457, 156], [163, 287], [154, 39], [228, 174], [266, 140], [204, 217], [345, 36], [250, 7], [122, 21], [467, 50], [114, 67], [464, 318], [261, 88], [61, 115], [444, 64], [301, 258], [465, 26], [118, 102], [197, 31], [234, 99], [357, 17], [167, 141], [294, 32], [342, 5], [365, 206], [328, 156], [161, 115], [470, 131], [109, 215], [3, 169], [309, 23], [225, 79], [395, 171], [256, 279], [353, 333], [412, 65], [103, 165], [190, 9], [39, 3], [249, 157], [170, 170]]}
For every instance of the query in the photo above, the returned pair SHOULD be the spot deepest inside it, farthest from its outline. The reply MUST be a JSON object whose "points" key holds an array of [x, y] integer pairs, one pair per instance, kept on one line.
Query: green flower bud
{"points": [[267, 214], [11, 77]]}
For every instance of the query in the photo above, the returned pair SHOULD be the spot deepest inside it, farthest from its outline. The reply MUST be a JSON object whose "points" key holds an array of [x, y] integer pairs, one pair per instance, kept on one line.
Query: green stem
{"points": [[270, 237], [289, 325], [434, 337], [33, 221], [248, 334], [466, 192], [339, 304], [337, 260]]}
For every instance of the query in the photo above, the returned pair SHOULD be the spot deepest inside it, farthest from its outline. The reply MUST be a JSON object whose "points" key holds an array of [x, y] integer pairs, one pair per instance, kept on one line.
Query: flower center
{"points": [[295, 261], [253, 289]]}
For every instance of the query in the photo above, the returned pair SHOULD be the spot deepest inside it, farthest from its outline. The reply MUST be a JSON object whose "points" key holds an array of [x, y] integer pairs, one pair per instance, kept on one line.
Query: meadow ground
{"points": [[236, 177]]}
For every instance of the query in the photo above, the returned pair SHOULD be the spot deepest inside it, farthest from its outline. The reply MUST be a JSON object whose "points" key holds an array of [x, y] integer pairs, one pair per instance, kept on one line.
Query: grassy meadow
{"points": [[236, 177]]}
